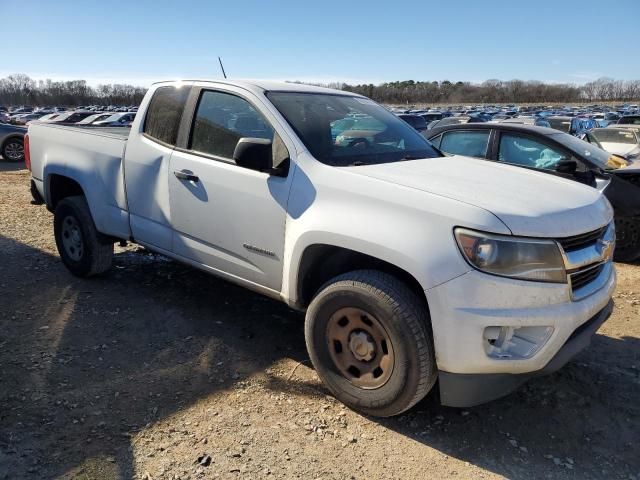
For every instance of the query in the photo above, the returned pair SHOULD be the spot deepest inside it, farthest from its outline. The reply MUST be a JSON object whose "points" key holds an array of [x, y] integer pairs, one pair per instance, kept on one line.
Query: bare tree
{"points": [[19, 89]]}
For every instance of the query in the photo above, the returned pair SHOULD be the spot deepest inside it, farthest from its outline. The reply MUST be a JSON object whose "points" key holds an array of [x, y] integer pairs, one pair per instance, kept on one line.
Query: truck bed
{"points": [[113, 132], [90, 156]]}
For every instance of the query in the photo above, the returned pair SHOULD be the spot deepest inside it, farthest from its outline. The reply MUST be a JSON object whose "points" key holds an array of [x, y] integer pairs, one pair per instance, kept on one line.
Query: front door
{"points": [[226, 217]]}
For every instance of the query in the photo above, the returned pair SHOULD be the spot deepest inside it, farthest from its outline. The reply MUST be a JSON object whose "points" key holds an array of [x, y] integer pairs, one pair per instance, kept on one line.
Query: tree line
{"points": [[20, 89], [497, 91]]}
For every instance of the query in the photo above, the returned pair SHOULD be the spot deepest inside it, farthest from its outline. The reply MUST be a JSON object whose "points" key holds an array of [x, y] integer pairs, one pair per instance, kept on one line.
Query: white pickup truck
{"points": [[412, 266]]}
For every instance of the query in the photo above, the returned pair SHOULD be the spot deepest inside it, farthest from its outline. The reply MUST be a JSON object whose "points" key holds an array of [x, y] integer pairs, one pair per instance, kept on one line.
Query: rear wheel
{"points": [[369, 339], [13, 150], [83, 250], [627, 239]]}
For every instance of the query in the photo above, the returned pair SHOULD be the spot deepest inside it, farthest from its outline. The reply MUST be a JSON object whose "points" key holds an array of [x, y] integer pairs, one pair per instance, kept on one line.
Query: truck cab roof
{"points": [[261, 86]]}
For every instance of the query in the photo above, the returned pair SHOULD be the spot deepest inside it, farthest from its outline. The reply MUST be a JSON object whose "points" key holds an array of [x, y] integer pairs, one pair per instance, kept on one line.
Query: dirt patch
{"points": [[160, 371]]}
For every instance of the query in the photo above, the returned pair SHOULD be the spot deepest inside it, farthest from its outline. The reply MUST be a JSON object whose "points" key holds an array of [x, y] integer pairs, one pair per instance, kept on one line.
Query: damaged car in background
{"points": [[623, 142], [559, 154]]}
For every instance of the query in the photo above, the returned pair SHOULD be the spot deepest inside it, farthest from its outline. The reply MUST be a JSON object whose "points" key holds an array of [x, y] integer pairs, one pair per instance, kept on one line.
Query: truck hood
{"points": [[529, 203]]}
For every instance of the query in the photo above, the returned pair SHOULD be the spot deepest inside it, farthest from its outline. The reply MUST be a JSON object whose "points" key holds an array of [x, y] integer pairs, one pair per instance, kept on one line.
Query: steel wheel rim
{"points": [[14, 151], [72, 238], [360, 348]]}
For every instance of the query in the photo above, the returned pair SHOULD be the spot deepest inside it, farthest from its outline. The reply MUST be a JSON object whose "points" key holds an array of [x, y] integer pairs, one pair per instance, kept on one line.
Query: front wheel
{"points": [[627, 239], [83, 250], [369, 339]]}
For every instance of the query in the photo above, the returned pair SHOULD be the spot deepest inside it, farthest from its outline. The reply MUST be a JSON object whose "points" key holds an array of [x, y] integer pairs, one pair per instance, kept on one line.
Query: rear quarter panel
{"points": [[94, 160]]}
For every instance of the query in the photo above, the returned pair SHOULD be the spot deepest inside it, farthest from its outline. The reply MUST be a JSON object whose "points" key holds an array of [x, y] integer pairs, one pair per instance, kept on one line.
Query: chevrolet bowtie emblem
{"points": [[605, 248]]}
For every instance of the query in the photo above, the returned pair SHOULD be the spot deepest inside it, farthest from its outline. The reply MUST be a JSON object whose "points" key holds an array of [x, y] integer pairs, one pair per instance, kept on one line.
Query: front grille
{"points": [[583, 277], [583, 240], [586, 257]]}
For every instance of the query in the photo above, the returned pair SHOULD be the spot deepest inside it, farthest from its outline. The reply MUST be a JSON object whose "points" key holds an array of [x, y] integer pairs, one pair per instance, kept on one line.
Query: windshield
{"points": [[561, 124], [590, 152], [342, 130], [609, 135]]}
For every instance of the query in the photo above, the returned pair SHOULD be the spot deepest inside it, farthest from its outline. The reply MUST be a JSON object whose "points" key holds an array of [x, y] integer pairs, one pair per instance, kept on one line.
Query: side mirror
{"points": [[254, 153], [567, 166], [263, 155]]}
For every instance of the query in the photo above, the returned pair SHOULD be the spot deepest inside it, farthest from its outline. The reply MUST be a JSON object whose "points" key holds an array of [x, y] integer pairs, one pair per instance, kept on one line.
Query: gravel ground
{"points": [[158, 371]]}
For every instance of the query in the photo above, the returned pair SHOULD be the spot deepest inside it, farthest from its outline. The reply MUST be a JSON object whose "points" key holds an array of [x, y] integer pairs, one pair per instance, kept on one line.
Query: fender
{"points": [[108, 215]]}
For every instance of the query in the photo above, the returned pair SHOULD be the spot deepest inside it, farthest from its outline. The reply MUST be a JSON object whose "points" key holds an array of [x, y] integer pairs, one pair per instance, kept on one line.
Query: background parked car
{"points": [[46, 118], [606, 118], [24, 119], [71, 117], [623, 142], [416, 121], [94, 118], [559, 154], [116, 120], [12, 142], [527, 120], [432, 116], [572, 125], [456, 121], [629, 120]]}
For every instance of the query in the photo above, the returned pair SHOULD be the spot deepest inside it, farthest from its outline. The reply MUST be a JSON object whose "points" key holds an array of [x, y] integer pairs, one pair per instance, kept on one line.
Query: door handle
{"points": [[186, 175]]}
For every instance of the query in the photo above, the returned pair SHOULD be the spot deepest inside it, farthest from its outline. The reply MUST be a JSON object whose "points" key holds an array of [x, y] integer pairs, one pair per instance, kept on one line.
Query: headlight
{"points": [[521, 258]]}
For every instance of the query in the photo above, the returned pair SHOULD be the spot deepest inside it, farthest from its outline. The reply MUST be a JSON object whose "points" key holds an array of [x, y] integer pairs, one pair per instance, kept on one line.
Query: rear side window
{"points": [[164, 113], [471, 144], [222, 119]]}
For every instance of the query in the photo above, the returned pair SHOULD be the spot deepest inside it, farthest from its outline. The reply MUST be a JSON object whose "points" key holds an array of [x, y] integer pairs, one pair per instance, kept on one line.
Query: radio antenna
{"points": [[222, 68]]}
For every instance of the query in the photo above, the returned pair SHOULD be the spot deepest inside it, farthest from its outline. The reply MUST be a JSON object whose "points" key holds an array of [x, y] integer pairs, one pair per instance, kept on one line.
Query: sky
{"points": [[142, 41]]}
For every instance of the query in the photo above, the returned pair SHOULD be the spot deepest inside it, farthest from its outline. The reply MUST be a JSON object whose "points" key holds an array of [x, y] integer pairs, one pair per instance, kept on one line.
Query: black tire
{"points": [[72, 220], [406, 321], [36, 198], [13, 150], [627, 239]]}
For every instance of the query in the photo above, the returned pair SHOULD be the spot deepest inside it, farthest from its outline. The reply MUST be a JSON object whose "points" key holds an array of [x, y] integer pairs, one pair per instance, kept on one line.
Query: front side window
{"points": [[528, 152], [222, 119], [471, 144], [342, 130], [164, 114]]}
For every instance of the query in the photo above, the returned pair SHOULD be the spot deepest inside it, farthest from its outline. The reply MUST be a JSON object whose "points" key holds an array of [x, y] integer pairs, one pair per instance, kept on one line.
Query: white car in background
{"points": [[91, 119], [45, 118], [27, 117], [623, 142], [121, 119]]}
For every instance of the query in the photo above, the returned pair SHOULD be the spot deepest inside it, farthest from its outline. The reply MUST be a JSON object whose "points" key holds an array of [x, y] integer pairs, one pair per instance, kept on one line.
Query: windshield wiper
{"points": [[411, 157]]}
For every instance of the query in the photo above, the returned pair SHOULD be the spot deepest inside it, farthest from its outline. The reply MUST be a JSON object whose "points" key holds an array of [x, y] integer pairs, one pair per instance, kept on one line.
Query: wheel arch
{"points": [[321, 262], [59, 187]]}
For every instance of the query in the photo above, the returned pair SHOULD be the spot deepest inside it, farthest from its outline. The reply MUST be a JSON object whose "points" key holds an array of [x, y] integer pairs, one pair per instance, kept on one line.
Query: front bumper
{"points": [[468, 390], [464, 307]]}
